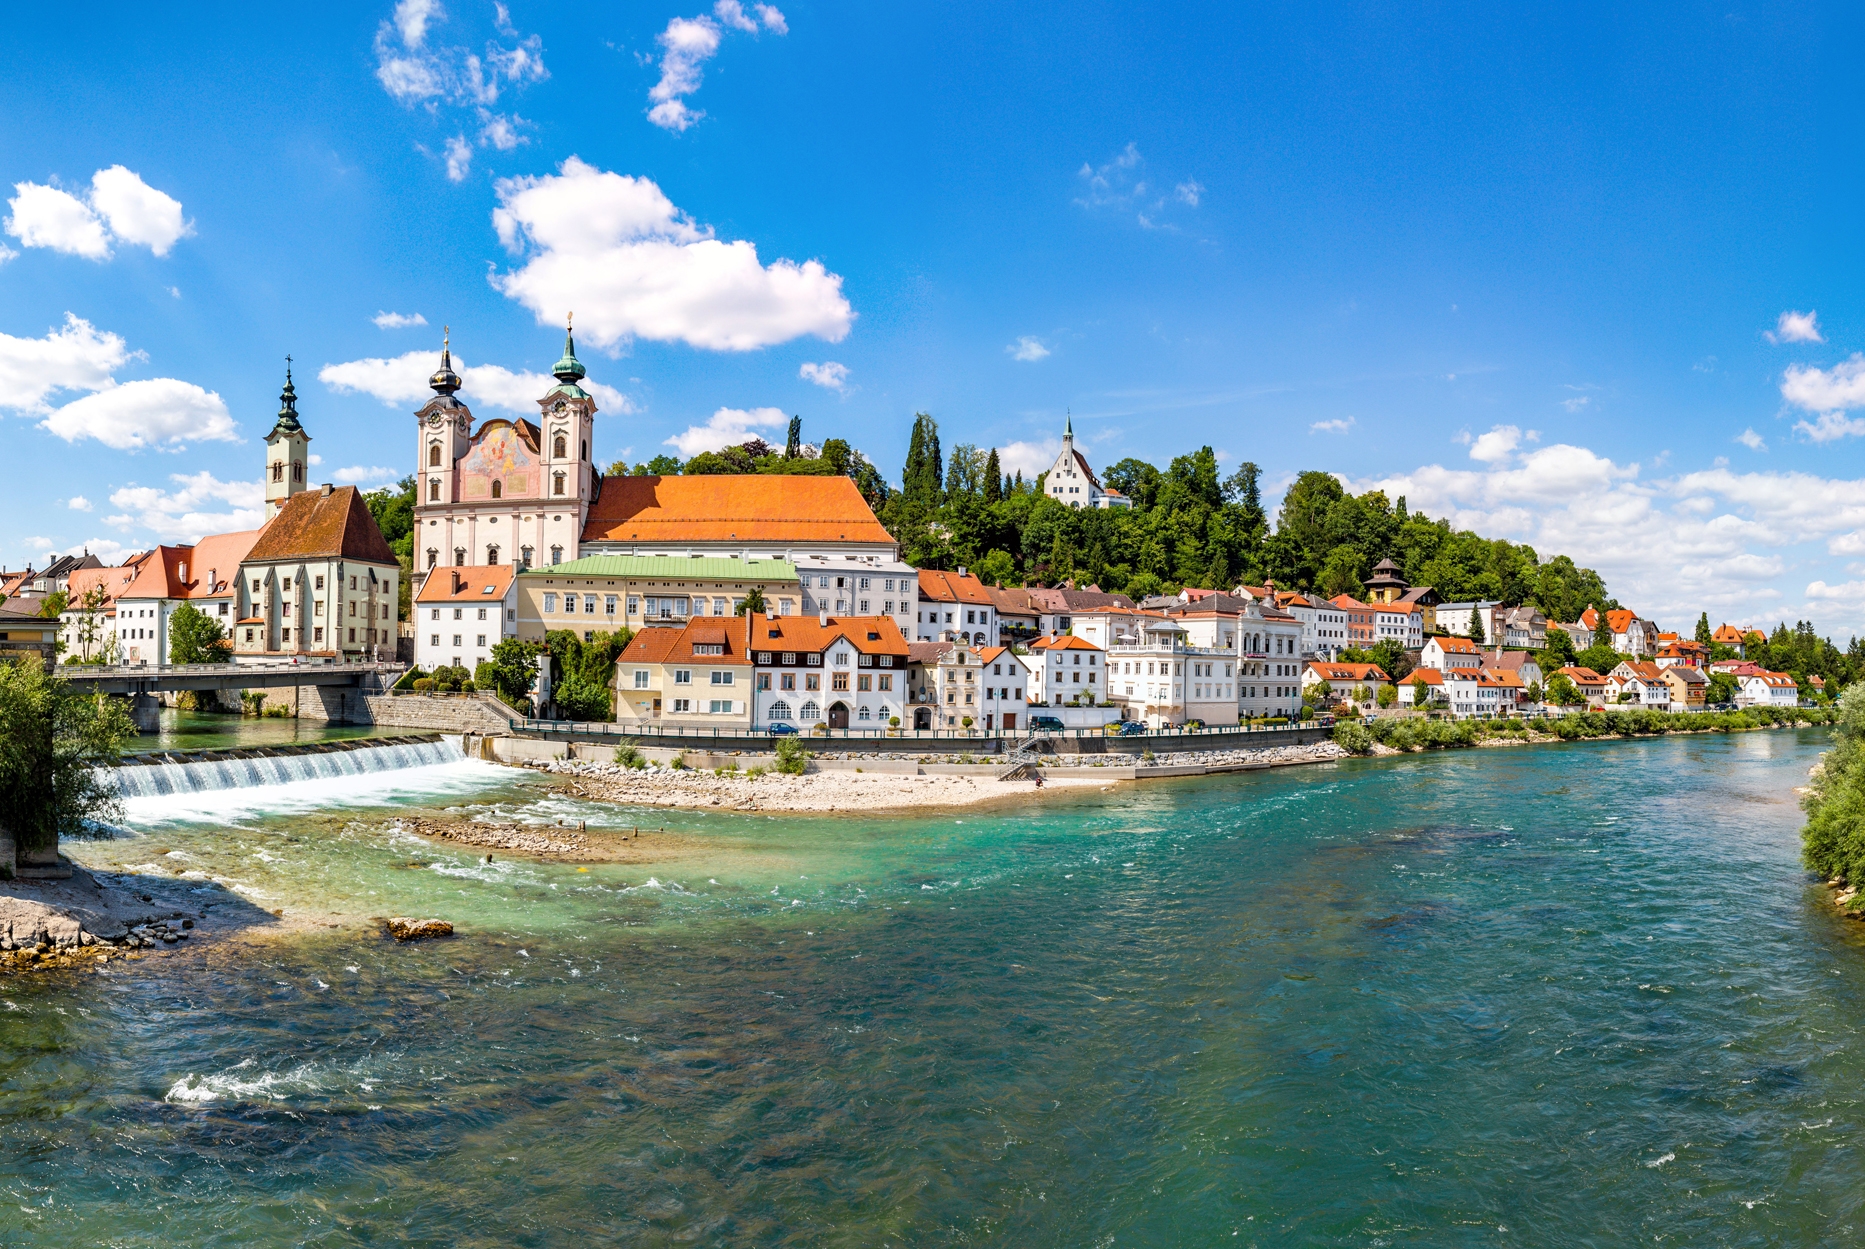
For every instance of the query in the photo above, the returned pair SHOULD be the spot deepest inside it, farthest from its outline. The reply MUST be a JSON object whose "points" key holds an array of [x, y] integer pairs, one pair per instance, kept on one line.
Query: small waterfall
{"points": [[207, 771]]}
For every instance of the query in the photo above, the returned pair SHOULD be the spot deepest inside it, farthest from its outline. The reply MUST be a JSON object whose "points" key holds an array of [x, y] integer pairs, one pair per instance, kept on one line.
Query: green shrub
{"points": [[1833, 842], [409, 678], [792, 756], [1353, 737], [629, 757], [755, 772], [424, 685], [677, 763]]}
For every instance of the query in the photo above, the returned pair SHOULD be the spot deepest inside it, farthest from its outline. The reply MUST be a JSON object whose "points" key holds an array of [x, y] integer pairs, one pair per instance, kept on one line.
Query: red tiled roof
{"points": [[1590, 618], [1620, 621], [948, 587], [1581, 676], [667, 645], [316, 525], [1068, 643], [732, 508], [1451, 644], [1728, 635], [1348, 672], [478, 584], [871, 635]]}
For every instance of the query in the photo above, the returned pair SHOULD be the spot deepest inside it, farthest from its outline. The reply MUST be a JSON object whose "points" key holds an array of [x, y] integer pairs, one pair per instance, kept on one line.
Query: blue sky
{"points": [[1588, 280]]}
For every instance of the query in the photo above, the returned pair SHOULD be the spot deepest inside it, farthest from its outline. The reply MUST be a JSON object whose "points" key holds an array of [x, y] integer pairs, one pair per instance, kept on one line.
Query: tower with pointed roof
{"points": [[567, 415], [1072, 483], [288, 451]]}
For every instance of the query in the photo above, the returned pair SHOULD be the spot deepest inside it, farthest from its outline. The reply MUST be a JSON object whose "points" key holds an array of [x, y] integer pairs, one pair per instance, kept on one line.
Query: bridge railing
{"points": [[102, 672]]}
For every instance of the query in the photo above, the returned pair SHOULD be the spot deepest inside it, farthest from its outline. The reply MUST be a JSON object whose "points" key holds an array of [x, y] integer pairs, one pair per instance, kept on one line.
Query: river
{"points": [[1559, 995]]}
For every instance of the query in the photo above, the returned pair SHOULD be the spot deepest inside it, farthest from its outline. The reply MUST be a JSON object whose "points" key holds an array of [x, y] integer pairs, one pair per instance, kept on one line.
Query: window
{"points": [[865, 714], [492, 554], [459, 557], [864, 682], [718, 607], [317, 607], [459, 613], [683, 704], [550, 603], [683, 676], [589, 604], [787, 681], [887, 682], [559, 449], [569, 604], [764, 680], [557, 483], [724, 678], [608, 604], [278, 472], [641, 678], [433, 560], [481, 642], [433, 490], [556, 555], [810, 712], [813, 661], [634, 605], [320, 583], [249, 635], [780, 710], [456, 639], [839, 682], [433, 455], [863, 584], [317, 635], [498, 491], [812, 681], [482, 613]]}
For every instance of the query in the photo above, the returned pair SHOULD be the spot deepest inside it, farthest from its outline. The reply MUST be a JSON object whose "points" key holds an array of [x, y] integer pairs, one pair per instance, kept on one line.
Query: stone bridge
{"points": [[140, 683]]}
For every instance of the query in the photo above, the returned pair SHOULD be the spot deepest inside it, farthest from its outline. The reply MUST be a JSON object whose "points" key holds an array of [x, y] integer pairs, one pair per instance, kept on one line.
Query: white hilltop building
{"points": [[1071, 481]]}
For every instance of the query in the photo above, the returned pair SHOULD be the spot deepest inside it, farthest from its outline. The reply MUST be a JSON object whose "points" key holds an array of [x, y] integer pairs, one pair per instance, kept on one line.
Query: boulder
{"points": [[404, 929]]}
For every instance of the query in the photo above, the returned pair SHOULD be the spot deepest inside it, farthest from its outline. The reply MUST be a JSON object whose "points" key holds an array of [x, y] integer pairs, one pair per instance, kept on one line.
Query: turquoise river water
{"points": [[1566, 995]]}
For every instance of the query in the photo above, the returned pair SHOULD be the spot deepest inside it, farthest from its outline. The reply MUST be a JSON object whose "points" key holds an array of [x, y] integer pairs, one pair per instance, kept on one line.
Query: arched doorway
{"points": [[922, 718], [838, 716]]}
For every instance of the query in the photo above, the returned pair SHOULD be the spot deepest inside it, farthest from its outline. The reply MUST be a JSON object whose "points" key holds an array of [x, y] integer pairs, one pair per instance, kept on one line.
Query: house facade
{"points": [[1450, 651], [954, 682], [319, 580], [460, 614], [1324, 626], [954, 607], [1344, 682], [1767, 689], [1070, 481], [843, 672], [1631, 635], [1064, 669], [601, 593], [696, 676]]}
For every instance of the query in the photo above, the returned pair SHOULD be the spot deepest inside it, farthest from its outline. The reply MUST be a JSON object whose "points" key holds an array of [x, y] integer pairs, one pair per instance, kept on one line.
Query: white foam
{"points": [[374, 789]]}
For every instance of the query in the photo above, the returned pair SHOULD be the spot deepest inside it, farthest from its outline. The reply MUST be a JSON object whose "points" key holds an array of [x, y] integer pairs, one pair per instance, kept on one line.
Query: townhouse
{"points": [[1019, 618], [461, 613], [955, 686], [1066, 669], [25, 634], [954, 607], [695, 676], [1481, 693], [1589, 684], [1521, 663], [1450, 651], [318, 580], [1324, 626], [1340, 682], [1639, 682], [601, 593], [1683, 651], [1728, 635], [1630, 634], [1690, 687], [1766, 689], [1520, 627], [1266, 642], [1361, 629], [1454, 618], [1578, 632], [842, 672], [1431, 681], [88, 625], [1058, 605], [206, 574]]}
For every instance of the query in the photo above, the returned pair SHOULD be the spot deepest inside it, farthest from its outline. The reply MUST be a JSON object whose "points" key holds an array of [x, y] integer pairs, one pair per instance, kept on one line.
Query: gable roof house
{"points": [[1070, 481], [698, 676], [320, 580], [839, 672], [1630, 634]]}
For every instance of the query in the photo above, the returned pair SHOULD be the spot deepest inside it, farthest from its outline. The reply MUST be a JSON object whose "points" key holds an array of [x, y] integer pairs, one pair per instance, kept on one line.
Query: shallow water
{"points": [[199, 730], [1552, 996]]}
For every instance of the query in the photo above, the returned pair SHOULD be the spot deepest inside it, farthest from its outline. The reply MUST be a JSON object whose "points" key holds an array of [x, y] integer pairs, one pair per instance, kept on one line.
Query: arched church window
{"points": [[433, 557], [562, 448], [433, 455], [492, 555], [297, 472], [556, 555], [433, 490], [459, 556], [498, 489], [278, 471], [524, 555], [558, 486]]}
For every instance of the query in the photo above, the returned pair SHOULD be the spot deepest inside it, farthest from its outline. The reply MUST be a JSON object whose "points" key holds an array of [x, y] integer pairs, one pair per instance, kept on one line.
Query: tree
{"points": [[1703, 629], [993, 478], [1562, 691], [1534, 691], [1476, 625], [1599, 657], [1421, 692], [1341, 573], [793, 443], [752, 604], [1559, 651], [54, 605], [1388, 695], [89, 626], [194, 637], [996, 568], [662, 465], [1722, 689], [921, 479], [54, 741], [1833, 842], [511, 671]]}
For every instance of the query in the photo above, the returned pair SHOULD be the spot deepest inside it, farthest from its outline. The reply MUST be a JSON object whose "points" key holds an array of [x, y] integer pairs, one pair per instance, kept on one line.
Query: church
{"points": [[1070, 480]]}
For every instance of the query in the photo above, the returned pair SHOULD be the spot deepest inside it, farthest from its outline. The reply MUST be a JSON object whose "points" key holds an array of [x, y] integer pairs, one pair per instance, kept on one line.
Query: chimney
{"points": [[326, 490], [770, 613], [822, 618], [459, 582], [961, 572]]}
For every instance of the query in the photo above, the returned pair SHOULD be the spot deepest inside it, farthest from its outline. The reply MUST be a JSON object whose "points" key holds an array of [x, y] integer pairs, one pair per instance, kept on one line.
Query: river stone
{"points": [[404, 929]]}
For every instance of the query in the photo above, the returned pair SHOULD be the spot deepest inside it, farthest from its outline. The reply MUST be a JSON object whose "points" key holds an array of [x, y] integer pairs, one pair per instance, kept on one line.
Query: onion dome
{"points": [[445, 381], [288, 406]]}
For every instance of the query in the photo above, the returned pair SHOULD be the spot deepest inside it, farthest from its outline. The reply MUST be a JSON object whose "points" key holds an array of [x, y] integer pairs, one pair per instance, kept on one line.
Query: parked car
{"points": [[1125, 728], [1047, 724], [782, 730], [1324, 721]]}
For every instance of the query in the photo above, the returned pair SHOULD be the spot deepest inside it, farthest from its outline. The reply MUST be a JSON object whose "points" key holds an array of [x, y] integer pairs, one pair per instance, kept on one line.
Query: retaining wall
{"points": [[657, 746]]}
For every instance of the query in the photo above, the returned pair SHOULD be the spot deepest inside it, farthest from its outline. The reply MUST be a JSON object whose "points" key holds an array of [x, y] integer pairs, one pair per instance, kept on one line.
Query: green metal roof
{"points": [[665, 567]]}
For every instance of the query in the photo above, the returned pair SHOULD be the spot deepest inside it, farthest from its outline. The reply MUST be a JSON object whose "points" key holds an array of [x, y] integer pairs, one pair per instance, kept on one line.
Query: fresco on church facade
{"points": [[499, 455]]}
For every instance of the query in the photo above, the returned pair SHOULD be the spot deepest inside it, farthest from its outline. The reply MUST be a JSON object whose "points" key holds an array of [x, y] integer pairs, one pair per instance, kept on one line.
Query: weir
{"points": [[202, 771]]}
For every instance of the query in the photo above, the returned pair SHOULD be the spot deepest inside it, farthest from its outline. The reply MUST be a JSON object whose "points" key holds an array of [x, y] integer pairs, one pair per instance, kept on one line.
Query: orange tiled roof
{"points": [[1430, 676], [1348, 672], [315, 525], [1581, 676], [1068, 643], [1590, 618], [478, 584], [948, 587], [871, 635], [1452, 644], [732, 508], [1727, 635], [1621, 620], [667, 645]]}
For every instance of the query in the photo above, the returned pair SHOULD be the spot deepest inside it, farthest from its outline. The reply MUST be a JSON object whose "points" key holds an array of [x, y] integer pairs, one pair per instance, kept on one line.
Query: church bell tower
{"points": [[288, 451]]}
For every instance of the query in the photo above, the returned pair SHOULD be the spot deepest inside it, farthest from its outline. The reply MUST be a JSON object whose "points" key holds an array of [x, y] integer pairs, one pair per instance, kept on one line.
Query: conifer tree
{"points": [[993, 479], [793, 445], [1476, 625], [1703, 629]]}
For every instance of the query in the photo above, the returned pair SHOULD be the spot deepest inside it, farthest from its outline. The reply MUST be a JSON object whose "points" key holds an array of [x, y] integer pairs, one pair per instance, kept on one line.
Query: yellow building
{"points": [[602, 593]]}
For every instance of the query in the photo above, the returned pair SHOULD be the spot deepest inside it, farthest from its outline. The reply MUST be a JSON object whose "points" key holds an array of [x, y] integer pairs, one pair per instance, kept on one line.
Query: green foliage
{"points": [[194, 637], [54, 605], [629, 757], [1833, 842], [792, 756], [511, 671], [53, 740], [423, 685], [996, 568], [583, 673], [1475, 631], [1562, 692], [753, 603], [1600, 657], [1704, 634], [1352, 737], [662, 465], [409, 677], [677, 763], [1559, 652], [1388, 696], [1722, 689]]}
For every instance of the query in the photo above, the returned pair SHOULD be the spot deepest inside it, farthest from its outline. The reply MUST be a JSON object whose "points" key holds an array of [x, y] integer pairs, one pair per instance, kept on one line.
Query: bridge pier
{"points": [[145, 712]]}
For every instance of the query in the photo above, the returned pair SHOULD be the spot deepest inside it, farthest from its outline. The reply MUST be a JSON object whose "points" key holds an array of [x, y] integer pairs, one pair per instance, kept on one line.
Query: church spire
{"points": [[1068, 427], [288, 406], [445, 381], [569, 370]]}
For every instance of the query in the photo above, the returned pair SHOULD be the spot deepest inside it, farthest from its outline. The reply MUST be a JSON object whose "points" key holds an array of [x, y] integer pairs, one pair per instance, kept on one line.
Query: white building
{"points": [[847, 673], [954, 607], [1400, 622], [1455, 618], [1062, 669], [1070, 480], [1445, 653], [1766, 689], [1262, 640], [462, 613], [1644, 681], [1324, 625]]}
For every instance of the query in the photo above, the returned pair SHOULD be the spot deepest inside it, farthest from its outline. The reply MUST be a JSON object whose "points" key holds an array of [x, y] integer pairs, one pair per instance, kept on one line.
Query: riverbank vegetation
{"points": [[1421, 734], [1833, 842], [52, 741]]}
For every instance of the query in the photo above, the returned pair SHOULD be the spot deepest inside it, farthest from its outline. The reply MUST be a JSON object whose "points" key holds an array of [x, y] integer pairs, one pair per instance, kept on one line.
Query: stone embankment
{"points": [[84, 919]]}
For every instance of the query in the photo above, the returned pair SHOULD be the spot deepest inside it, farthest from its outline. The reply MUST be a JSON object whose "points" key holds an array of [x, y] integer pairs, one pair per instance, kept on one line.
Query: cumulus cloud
{"points": [[459, 157], [161, 412], [1830, 427], [687, 44], [358, 475], [397, 320], [201, 504], [1339, 425], [75, 357], [1029, 458], [120, 207], [1823, 390], [402, 380], [1028, 349], [615, 250], [1796, 327], [829, 375], [78, 503], [726, 427], [1752, 440], [1500, 443]]}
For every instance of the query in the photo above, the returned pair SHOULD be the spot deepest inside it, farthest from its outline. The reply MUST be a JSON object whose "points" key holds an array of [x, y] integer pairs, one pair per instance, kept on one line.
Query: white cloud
{"points": [[1831, 427], [1027, 348], [160, 412], [359, 474], [76, 357], [1500, 443], [499, 131], [78, 503], [1121, 185], [136, 211], [7, 253], [403, 380], [202, 505], [1189, 192], [1796, 327], [725, 428], [121, 206], [1826, 390], [1338, 425], [1029, 458], [459, 156], [411, 19], [1576, 403], [1752, 440], [614, 250], [687, 44], [829, 375], [397, 320]]}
